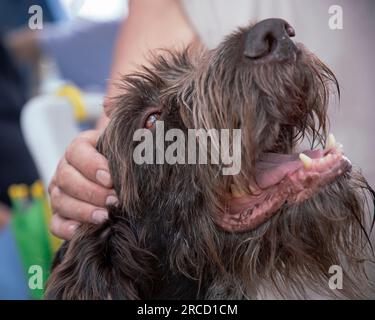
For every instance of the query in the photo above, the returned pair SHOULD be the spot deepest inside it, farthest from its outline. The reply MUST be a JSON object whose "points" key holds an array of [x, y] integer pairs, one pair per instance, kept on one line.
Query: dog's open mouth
{"points": [[283, 179]]}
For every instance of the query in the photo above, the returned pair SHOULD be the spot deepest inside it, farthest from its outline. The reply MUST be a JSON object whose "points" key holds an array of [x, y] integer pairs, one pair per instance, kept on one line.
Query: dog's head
{"points": [[219, 123]]}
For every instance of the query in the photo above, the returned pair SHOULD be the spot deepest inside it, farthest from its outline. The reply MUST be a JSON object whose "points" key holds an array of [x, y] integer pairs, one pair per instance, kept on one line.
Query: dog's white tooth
{"points": [[331, 141], [236, 193], [306, 160]]}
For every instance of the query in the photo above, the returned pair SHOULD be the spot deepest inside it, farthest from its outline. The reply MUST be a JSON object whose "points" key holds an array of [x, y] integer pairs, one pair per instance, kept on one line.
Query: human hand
{"points": [[81, 187]]}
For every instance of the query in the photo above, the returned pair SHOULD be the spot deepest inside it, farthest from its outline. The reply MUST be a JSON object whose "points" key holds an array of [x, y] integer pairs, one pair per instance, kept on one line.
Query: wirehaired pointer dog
{"points": [[187, 230]]}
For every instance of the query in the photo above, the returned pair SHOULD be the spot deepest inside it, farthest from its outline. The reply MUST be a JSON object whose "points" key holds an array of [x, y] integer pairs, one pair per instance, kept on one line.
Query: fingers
{"points": [[73, 183], [81, 187], [63, 228], [82, 155], [70, 208]]}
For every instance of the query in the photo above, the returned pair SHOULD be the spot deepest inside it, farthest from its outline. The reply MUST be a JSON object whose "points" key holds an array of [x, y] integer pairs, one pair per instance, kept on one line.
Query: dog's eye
{"points": [[151, 120]]}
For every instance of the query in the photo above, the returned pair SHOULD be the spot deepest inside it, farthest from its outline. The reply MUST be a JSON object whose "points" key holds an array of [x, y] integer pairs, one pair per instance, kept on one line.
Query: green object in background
{"points": [[30, 228]]}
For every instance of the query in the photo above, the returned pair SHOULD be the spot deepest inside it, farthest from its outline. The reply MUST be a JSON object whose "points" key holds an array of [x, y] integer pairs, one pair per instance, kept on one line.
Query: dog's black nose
{"points": [[270, 38]]}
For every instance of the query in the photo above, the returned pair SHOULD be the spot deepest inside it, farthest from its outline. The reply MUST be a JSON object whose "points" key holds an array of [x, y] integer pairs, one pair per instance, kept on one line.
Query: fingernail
{"points": [[111, 201], [99, 216], [103, 178]]}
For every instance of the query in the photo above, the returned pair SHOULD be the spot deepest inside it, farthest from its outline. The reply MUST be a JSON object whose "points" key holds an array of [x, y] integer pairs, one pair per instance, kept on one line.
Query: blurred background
{"points": [[53, 80]]}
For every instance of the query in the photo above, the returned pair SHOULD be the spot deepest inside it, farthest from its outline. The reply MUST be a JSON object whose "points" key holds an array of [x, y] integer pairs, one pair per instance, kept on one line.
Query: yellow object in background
{"points": [[18, 191], [74, 95]]}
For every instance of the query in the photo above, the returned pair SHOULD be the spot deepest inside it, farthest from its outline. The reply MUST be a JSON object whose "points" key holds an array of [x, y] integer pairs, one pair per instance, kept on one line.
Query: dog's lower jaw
{"points": [[301, 180]]}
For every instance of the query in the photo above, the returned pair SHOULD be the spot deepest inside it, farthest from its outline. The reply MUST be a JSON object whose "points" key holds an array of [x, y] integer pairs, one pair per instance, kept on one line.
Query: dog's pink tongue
{"points": [[281, 179], [273, 167]]}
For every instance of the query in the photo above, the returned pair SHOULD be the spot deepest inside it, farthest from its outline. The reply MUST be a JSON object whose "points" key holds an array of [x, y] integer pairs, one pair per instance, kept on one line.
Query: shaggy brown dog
{"points": [[188, 231]]}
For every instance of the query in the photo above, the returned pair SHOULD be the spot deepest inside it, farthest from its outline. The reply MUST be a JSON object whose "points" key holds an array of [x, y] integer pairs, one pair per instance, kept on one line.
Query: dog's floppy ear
{"points": [[60, 254], [101, 262]]}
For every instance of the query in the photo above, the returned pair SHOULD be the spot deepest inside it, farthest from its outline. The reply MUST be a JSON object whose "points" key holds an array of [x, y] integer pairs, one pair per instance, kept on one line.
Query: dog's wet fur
{"points": [[161, 240]]}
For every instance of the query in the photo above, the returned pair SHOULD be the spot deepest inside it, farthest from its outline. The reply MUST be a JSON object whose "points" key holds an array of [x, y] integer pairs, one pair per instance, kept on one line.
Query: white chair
{"points": [[49, 125]]}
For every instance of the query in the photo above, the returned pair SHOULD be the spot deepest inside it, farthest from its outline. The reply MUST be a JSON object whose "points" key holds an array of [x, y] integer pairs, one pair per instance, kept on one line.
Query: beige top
{"points": [[349, 53]]}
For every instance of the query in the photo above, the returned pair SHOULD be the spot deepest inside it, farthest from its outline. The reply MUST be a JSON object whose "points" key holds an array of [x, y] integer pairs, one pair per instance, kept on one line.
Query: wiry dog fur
{"points": [[161, 241]]}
